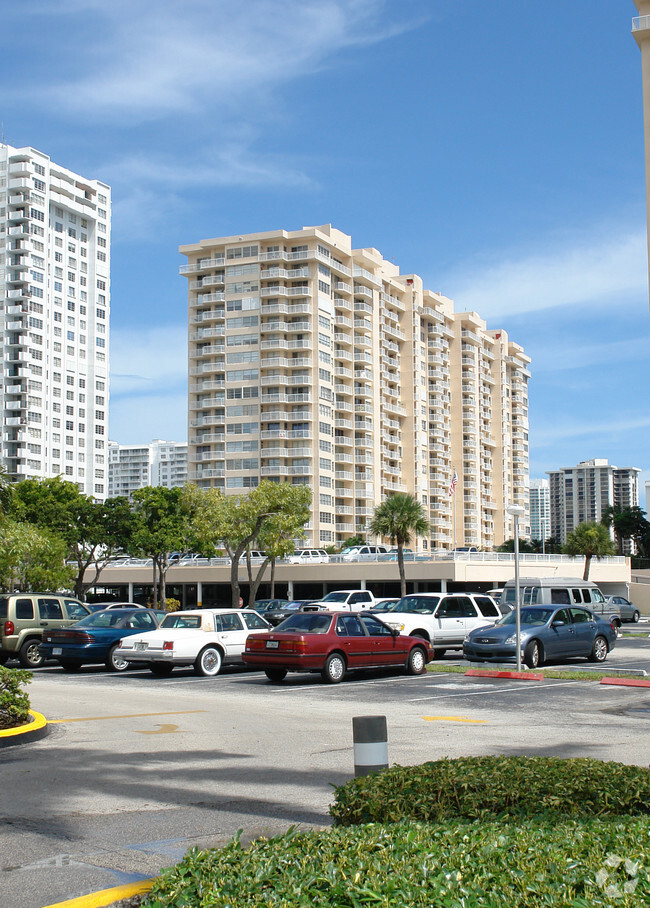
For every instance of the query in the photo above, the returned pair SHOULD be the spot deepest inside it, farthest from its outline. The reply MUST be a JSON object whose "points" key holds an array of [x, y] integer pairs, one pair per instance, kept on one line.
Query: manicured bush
{"points": [[14, 701], [566, 864], [486, 787]]}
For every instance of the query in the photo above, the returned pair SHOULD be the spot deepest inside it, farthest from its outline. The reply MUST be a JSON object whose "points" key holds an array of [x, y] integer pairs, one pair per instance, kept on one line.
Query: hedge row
{"points": [[492, 864], [489, 787]]}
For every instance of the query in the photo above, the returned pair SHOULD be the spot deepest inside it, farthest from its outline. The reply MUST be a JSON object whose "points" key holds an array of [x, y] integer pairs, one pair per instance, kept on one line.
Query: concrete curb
{"points": [[512, 675], [25, 734], [106, 896], [627, 682]]}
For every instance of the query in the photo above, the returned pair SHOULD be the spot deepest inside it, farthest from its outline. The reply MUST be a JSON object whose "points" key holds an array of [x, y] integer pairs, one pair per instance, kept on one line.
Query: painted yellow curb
{"points": [[106, 896], [39, 722]]}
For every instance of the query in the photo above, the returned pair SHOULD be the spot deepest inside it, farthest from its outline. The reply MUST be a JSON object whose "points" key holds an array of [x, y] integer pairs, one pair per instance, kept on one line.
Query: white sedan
{"points": [[204, 638]]}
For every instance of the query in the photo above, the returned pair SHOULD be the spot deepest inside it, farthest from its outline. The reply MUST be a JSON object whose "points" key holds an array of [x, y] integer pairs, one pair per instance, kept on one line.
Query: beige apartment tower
{"points": [[313, 362]]}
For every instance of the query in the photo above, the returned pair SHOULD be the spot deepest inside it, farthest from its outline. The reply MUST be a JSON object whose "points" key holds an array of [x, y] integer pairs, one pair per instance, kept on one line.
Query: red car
{"points": [[332, 643]]}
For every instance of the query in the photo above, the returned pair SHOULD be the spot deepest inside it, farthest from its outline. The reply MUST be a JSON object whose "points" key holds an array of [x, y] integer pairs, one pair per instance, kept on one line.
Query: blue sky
{"points": [[494, 148]]}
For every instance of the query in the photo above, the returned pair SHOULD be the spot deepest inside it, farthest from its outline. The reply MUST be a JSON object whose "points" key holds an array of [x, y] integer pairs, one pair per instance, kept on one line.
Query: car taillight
{"points": [[9, 628], [297, 646], [168, 644]]}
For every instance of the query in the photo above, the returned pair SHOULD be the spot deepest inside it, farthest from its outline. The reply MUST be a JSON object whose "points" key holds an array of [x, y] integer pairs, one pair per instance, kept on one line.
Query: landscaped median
{"points": [[36, 729], [478, 832], [18, 723]]}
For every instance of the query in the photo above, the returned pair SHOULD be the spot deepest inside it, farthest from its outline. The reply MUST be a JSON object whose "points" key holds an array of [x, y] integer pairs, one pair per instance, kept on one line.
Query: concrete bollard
{"points": [[370, 737]]}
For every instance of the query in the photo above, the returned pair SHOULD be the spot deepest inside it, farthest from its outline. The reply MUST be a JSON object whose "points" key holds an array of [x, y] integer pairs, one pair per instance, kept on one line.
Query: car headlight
{"points": [[511, 639], [397, 627]]}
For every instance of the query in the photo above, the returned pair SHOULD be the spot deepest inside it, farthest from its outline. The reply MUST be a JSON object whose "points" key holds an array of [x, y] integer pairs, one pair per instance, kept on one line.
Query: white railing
{"points": [[640, 23]]}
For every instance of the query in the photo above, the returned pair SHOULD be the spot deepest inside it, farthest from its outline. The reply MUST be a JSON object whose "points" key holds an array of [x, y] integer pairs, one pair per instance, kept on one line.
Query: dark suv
{"points": [[24, 617]]}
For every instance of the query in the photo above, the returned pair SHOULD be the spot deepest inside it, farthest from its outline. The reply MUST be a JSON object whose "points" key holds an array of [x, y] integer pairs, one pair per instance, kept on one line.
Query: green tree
{"points": [[628, 524], [398, 518], [352, 541], [238, 522], [93, 531], [161, 525], [6, 490], [591, 540], [32, 558]]}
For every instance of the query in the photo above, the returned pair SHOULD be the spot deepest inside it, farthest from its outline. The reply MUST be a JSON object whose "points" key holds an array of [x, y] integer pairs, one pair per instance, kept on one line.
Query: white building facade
{"points": [[582, 494], [54, 321], [540, 509], [131, 467], [313, 362]]}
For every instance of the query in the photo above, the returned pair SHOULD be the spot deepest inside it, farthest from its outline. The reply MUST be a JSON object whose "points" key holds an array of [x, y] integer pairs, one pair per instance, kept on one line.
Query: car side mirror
{"points": [[559, 623], [394, 632]]}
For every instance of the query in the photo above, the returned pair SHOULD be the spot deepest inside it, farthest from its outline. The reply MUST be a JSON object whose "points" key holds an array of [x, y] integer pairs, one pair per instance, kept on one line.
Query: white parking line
{"points": [[495, 690]]}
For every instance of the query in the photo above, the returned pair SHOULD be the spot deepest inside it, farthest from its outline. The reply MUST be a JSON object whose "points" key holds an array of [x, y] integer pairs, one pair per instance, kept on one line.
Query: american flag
{"points": [[454, 483]]}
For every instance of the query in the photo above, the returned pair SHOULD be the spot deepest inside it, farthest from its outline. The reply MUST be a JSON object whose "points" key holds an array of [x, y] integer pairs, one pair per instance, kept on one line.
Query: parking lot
{"points": [[138, 768]]}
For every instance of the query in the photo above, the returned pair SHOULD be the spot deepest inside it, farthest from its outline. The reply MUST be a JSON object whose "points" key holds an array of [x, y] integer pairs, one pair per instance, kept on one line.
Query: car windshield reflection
{"points": [[306, 623], [531, 616]]}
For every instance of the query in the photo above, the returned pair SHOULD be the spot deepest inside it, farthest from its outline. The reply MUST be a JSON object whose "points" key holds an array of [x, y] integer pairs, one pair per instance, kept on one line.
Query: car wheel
{"points": [[29, 654], [160, 668], [599, 650], [70, 665], [275, 674], [417, 661], [635, 617], [334, 668], [533, 655], [208, 662], [116, 662]]}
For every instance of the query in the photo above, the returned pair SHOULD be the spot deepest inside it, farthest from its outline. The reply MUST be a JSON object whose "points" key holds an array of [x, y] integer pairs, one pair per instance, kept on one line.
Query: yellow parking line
{"points": [[127, 716], [453, 719]]}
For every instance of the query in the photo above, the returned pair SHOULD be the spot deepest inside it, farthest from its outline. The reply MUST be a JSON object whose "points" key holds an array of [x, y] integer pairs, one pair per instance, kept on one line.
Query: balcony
{"points": [[640, 23]]}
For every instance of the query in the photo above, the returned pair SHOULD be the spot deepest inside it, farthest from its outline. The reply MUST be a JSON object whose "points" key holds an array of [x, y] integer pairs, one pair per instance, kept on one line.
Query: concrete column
{"points": [[199, 594], [130, 592]]}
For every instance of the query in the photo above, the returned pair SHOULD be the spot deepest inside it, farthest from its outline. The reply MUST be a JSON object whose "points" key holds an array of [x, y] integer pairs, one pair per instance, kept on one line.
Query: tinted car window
{"points": [[580, 616], [50, 609], [75, 610], [375, 628], [467, 608], [449, 608], [104, 619], [306, 623], [576, 595], [487, 607], [420, 604], [188, 621], [562, 615], [255, 622], [3, 608], [349, 626], [231, 622], [141, 620], [24, 609], [535, 616], [587, 595], [359, 597], [560, 596]]}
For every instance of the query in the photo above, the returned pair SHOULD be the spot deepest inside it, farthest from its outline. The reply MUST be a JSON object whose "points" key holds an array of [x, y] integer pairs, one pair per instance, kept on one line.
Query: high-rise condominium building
{"points": [[540, 516], [313, 362], [54, 317], [131, 467], [583, 493]]}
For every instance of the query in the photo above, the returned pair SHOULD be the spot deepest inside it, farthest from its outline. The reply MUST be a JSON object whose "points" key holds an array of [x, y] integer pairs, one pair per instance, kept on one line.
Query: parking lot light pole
{"points": [[517, 511]]}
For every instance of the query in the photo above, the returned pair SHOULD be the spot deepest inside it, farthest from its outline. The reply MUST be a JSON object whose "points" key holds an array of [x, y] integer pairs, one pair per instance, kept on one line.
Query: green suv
{"points": [[24, 617]]}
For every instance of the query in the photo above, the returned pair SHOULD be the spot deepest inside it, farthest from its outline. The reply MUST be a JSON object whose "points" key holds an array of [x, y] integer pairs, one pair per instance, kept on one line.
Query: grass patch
{"points": [[555, 674], [571, 864], [494, 787]]}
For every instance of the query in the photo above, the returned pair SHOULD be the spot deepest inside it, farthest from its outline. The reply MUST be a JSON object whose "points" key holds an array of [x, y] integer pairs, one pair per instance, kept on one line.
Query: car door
{"points": [[560, 638], [449, 621], [354, 641], [361, 600], [584, 629], [386, 648], [232, 635], [50, 612]]}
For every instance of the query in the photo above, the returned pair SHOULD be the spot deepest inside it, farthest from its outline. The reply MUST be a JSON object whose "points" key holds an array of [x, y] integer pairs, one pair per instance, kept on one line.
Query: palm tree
{"points": [[398, 518], [591, 540]]}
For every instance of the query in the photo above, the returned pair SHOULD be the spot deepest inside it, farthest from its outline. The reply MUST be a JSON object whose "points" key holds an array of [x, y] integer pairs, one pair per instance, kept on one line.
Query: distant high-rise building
{"points": [[131, 467], [313, 362], [583, 493], [540, 518], [54, 320]]}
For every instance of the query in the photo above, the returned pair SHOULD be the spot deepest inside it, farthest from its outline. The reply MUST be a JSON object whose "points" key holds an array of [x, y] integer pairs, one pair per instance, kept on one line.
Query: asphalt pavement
{"points": [[137, 769]]}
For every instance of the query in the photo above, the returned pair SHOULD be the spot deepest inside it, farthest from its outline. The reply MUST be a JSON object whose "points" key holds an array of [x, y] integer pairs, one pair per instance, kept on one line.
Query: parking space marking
{"points": [[493, 689], [454, 719], [174, 712], [167, 729]]}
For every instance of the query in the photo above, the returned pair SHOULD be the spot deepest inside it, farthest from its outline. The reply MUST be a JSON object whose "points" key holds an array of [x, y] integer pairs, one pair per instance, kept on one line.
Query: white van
{"points": [[364, 552], [560, 591]]}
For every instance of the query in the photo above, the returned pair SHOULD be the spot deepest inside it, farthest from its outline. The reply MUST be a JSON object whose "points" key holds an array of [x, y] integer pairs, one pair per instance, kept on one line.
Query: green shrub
{"points": [[566, 864], [172, 605], [474, 787], [14, 702]]}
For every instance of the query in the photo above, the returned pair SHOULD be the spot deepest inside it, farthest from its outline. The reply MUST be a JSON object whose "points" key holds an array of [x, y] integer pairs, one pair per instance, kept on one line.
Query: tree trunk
{"points": [[255, 582], [585, 576], [402, 570], [272, 578], [154, 584]]}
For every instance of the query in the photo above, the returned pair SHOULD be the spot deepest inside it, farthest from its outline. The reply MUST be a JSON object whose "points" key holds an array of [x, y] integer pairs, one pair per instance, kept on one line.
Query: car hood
{"points": [[498, 633]]}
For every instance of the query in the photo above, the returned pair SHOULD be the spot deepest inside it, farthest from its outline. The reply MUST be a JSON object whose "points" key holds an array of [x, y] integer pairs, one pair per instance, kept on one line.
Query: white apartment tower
{"points": [[582, 494], [54, 320], [313, 362], [131, 467], [540, 513]]}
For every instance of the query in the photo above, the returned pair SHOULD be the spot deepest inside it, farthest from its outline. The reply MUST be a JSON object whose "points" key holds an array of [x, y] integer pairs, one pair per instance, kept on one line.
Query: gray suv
{"points": [[24, 617]]}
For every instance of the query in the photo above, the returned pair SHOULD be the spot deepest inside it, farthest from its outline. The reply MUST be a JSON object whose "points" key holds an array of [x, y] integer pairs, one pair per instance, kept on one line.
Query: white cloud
{"points": [[608, 267], [556, 432], [155, 58], [552, 358], [146, 361]]}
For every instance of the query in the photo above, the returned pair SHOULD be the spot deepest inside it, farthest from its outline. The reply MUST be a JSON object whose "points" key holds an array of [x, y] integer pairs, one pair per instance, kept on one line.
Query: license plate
{"points": [[272, 644], [140, 647], [56, 651]]}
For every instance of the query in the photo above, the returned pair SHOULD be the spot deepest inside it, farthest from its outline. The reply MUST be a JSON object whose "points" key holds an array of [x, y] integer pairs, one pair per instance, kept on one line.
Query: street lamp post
{"points": [[517, 511]]}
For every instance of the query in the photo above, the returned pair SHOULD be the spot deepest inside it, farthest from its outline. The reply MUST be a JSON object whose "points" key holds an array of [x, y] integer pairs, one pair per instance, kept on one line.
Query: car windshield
{"points": [[111, 618], [187, 621], [340, 596], [306, 623], [420, 605], [294, 606], [531, 616]]}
